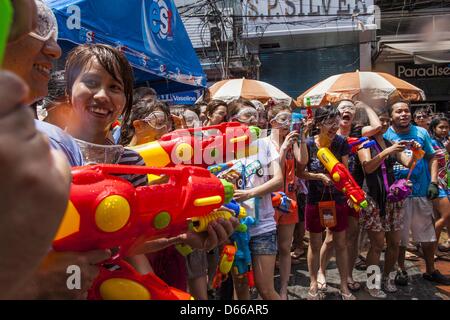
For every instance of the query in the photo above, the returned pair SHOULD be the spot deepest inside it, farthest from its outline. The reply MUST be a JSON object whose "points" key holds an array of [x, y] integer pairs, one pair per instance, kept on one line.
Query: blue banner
{"points": [[149, 32]]}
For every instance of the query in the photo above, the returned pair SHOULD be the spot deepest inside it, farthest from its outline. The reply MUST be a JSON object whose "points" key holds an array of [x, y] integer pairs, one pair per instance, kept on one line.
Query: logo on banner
{"points": [[160, 19]]}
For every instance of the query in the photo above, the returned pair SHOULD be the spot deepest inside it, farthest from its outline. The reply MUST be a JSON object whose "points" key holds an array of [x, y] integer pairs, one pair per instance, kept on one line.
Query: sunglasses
{"points": [[191, 118], [157, 120], [283, 119], [247, 115], [47, 26]]}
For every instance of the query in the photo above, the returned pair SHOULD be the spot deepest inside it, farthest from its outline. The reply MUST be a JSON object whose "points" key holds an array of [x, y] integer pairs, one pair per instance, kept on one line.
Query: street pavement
{"points": [[418, 288]]}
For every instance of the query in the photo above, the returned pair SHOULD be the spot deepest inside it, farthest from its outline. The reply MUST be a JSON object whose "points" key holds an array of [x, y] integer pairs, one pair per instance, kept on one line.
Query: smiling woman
{"points": [[100, 89]]}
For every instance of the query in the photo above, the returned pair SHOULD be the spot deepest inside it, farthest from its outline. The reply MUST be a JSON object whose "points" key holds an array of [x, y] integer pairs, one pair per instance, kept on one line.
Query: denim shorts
{"points": [[264, 244]]}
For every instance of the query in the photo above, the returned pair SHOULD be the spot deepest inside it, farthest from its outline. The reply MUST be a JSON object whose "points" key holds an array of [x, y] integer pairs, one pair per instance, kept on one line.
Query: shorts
{"points": [[353, 213], [264, 244], [197, 264], [312, 218], [392, 221], [418, 217], [285, 218]]}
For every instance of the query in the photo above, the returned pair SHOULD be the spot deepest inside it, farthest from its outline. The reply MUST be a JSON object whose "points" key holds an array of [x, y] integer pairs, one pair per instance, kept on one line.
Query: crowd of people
{"points": [[93, 102]]}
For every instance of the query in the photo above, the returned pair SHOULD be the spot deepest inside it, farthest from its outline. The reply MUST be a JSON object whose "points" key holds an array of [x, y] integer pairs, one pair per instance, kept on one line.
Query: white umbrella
{"points": [[232, 89]]}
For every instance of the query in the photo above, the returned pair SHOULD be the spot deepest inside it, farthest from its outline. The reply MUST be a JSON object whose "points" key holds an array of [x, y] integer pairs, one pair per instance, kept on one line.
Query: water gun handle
{"points": [[200, 224]]}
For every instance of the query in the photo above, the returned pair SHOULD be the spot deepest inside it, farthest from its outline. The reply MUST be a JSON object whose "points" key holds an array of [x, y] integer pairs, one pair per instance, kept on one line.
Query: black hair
{"points": [[324, 113], [391, 105], [435, 122], [111, 59]]}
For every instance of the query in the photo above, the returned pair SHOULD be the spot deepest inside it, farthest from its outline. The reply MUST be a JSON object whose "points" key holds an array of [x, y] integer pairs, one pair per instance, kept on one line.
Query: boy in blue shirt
{"points": [[417, 208]]}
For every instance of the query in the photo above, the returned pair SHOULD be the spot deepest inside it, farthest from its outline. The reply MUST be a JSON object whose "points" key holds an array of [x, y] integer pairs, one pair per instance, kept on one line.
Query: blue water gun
{"points": [[243, 260], [239, 211], [354, 143]]}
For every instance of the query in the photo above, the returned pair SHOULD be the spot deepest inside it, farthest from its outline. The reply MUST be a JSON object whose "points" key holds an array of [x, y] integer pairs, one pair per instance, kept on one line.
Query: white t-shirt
{"points": [[257, 173]]}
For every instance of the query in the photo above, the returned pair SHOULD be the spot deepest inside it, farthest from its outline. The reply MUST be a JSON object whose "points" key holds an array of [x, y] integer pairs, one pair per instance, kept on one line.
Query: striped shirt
{"points": [[130, 157]]}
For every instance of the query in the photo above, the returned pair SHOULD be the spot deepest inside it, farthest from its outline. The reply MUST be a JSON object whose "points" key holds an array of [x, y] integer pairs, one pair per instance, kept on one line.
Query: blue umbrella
{"points": [[149, 32]]}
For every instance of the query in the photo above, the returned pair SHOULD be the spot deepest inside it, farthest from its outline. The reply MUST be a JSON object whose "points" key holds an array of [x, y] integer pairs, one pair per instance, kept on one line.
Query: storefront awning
{"points": [[423, 52], [149, 32]]}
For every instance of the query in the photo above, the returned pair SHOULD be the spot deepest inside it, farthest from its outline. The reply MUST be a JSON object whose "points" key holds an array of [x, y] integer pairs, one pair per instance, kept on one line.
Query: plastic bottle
{"points": [[296, 124]]}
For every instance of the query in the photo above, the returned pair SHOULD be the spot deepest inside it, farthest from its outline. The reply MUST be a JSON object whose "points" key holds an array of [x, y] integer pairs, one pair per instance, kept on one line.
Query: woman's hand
{"points": [[308, 126], [289, 141], [243, 195], [326, 179], [231, 176], [396, 147]]}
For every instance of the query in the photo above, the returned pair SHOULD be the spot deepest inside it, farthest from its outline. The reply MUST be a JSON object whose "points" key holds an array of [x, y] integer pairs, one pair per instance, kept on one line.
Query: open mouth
{"points": [[43, 70], [346, 117], [99, 111]]}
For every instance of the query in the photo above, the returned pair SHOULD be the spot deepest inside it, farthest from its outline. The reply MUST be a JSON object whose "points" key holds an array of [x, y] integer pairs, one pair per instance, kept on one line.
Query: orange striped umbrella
{"points": [[363, 86], [232, 89]]}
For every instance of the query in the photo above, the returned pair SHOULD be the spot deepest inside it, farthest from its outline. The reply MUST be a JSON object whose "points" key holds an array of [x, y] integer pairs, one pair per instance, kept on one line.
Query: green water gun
{"points": [[6, 16]]}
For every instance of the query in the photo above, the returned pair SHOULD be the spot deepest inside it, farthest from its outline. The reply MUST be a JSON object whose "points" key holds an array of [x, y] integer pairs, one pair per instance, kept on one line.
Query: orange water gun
{"points": [[107, 211], [123, 282], [342, 178], [199, 146], [225, 263]]}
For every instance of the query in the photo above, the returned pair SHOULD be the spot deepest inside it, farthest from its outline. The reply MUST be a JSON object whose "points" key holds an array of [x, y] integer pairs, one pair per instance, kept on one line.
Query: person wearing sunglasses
{"points": [[243, 111], [255, 196], [321, 189], [44, 174], [149, 121], [352, 116], [288, 145], [422, 117]]}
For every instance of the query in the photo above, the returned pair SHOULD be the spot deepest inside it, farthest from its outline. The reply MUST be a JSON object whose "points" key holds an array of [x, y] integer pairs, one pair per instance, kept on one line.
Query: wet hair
{"points": [[435, 122], [236, 105], [324, 113], [111, 59], [140, 111], [141, 92], [213, 105]]}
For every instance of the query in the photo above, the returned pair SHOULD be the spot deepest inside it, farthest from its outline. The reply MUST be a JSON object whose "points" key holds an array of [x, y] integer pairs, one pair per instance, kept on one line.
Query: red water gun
{"points": [[123, 282], [225, 263], [342, 178], [106, 211], [200, 146]]}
